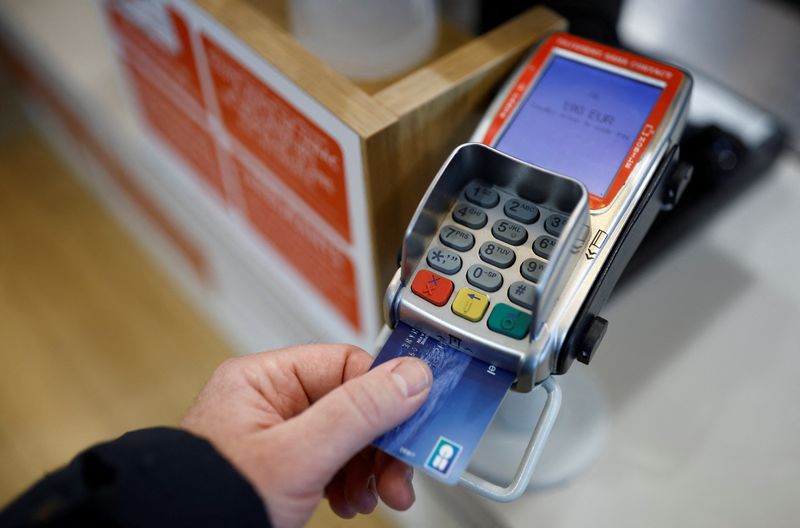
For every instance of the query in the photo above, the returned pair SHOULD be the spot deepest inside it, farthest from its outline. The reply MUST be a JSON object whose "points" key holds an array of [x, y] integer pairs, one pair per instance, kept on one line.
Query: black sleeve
{"points": [[152, 477]]}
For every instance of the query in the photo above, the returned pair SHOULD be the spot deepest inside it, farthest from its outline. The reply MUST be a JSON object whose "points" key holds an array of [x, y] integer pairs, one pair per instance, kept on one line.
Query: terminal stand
{"points": [[576, 440]]}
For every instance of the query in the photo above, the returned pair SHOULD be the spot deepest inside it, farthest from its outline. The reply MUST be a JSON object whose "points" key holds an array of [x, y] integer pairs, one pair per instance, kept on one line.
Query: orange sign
{"points": [[295, 149], [38, 87], [235, 109], [295, 236], [145, 52], [186, 137]]}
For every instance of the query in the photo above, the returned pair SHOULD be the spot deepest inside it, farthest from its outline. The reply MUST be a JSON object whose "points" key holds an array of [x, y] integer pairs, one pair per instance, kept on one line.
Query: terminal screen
{"points": [[580, 121]]}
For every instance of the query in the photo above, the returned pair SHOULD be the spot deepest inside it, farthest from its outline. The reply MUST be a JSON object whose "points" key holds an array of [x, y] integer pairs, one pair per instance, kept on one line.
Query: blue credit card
{"points": [[442, 435]]}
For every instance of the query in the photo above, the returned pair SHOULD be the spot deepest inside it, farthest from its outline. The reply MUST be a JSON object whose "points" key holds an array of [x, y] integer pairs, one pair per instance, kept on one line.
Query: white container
{"points": [[367, 39]]}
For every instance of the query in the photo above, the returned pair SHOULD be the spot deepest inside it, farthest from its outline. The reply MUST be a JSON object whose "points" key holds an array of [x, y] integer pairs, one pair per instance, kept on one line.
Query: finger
{"points": [[357, 480], [359, 483], [382, 459], [336, 499], [293, 378], [394, 485], [340, 424], [318, 368]]}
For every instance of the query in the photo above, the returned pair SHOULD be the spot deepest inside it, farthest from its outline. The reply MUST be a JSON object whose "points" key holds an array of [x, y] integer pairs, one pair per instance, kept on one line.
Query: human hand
{"points": [[297, 423]]}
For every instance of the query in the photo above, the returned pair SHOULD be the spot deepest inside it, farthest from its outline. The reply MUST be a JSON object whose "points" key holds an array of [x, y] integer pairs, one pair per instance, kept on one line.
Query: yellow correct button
{"points": [[470, 304]]}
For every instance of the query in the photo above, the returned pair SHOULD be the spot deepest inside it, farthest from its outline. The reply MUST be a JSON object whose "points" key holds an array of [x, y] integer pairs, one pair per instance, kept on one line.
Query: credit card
{"points": [[442, 435]]}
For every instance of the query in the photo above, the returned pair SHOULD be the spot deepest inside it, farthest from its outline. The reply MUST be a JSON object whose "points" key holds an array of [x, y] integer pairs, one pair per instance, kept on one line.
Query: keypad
{"points": [[484, 278], [521, 210], [443, 260], [532, 269], [432, 287], [456, 238], [497, 254], [509, 321], [470, 304], [510, 232], [501, 275], [544, 246], [522, 293], [555, 224], [482, 195], [469, 216]]}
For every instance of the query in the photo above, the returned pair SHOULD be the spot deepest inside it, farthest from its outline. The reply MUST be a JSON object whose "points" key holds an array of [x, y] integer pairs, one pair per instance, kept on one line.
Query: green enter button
{"points": [[509, 321]]}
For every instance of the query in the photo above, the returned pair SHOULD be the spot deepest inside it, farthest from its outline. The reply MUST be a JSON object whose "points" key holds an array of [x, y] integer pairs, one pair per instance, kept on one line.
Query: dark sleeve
{"points": [[152, 477]]}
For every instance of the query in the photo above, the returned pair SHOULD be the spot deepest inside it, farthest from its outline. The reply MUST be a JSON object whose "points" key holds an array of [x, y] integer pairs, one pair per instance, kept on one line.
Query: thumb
{"points": [[348, 418]]}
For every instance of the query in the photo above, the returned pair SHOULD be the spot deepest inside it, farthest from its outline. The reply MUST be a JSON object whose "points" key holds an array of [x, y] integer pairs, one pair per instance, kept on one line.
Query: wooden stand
{"points": [[407, 127]]}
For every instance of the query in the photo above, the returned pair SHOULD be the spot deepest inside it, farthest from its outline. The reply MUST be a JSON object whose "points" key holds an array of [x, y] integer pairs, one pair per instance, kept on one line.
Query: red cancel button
{"points": [[432, 287]]}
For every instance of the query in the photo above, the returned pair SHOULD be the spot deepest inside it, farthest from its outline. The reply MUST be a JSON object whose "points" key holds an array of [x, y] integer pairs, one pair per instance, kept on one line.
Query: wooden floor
{"points": [[94, 340]]}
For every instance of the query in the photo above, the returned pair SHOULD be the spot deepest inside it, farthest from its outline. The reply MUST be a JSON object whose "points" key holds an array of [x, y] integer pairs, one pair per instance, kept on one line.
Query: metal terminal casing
{"points": [[595, 244], [617, 227], [551, 192]]}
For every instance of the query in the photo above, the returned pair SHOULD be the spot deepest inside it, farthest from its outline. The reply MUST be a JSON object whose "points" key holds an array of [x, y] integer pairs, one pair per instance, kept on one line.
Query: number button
{"points": [[484, 278], [496, 254], [522, 293], [469, 216], [509, 321], [470, 304], [555, 224], [442, 260], [456, 238], [432, 287], [481, 195], [544, 246], [509, 232], [521, 210], [532, 269]]}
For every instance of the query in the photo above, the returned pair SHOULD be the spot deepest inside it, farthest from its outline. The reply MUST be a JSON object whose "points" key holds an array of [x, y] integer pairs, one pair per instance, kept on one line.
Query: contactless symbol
{"points": [[443, 456]]}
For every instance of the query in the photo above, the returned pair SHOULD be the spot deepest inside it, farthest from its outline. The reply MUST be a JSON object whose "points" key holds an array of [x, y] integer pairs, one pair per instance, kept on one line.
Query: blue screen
{"points": [[579, 121]]}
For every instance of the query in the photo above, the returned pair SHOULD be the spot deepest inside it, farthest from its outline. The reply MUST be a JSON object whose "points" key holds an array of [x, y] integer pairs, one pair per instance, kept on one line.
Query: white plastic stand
{"points": [[576, 440]]}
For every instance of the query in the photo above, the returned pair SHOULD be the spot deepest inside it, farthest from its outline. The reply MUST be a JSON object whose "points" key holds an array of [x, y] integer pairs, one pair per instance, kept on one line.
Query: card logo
{"points": [[443, 456]]}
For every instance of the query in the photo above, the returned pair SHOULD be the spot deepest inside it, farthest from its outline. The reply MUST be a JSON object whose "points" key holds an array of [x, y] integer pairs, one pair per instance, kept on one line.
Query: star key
{"points": [[443, 260]]}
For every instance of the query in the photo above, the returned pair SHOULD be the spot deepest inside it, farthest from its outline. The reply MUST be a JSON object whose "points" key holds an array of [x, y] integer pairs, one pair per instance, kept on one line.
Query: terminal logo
{"points": [[443, 456]]}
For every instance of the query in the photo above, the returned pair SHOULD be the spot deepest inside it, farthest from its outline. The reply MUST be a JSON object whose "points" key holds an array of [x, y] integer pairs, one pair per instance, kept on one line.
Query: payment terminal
{"points": [[523, 233]]}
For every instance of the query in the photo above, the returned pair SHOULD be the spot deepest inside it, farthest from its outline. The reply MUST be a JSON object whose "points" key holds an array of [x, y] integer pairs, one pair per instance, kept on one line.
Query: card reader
{"points": [[522, 235]]}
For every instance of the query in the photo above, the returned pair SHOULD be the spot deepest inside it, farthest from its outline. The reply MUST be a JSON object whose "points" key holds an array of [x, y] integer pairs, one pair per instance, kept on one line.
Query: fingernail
{"points": [[409, 480], [372, 485], [372, 490], [412, 376], [367, 499]]}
